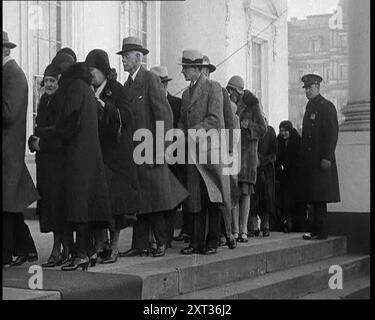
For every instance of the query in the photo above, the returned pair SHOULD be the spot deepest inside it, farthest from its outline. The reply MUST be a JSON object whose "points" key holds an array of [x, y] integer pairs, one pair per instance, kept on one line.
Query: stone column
{"points": [[353, 148], [357, 112]]}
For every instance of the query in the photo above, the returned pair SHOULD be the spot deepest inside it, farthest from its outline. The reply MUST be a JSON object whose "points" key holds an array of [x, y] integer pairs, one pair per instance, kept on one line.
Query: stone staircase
{"points": [[279, 267], [282, 266]]}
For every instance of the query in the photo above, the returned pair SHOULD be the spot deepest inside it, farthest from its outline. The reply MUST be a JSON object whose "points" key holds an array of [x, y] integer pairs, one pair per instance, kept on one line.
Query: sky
{"points": [[303, 8]]}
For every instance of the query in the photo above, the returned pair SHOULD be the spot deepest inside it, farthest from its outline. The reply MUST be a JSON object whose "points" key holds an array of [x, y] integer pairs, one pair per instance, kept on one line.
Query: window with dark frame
{"points": [[134, 21], [47, 40]]}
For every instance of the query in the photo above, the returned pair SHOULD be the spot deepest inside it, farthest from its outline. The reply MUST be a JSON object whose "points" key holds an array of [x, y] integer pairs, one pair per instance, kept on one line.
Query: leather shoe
{"points": [[51, 262], [112, 258], [209, 251], [134, 253], [189, 250], [22, 259], [159, 252]]}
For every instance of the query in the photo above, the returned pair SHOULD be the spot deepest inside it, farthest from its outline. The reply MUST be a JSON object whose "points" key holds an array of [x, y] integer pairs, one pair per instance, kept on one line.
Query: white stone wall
{"points": [[191, 24], [219, 28]]}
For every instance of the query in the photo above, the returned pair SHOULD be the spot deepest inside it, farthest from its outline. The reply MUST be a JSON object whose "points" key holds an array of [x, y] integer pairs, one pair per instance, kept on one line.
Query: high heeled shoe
{"points": [[76, 263]]}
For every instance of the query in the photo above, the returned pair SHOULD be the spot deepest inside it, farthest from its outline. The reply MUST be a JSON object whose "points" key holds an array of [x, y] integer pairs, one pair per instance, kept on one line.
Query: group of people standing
{"points": [[89, 183]]}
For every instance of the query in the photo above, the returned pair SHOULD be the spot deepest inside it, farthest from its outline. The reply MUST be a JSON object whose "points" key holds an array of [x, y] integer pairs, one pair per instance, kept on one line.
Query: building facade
{"points": [[246, 37], [319, 45]]}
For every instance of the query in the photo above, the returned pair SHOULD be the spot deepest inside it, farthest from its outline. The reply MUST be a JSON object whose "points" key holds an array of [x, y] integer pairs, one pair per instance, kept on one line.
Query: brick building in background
{"points": [[318, 44]]}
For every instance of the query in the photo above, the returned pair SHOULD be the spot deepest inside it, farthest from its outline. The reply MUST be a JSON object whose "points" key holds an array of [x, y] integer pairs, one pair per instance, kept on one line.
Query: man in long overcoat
{"points": [[18, 188], [202, 108], [318, 175], [229, 116], [160, 191], [177, 169]]}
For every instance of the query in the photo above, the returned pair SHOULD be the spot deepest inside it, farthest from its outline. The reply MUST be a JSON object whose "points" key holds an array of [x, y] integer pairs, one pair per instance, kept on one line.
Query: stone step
{"points": [[175, 274], [292, 283], [358, 288], [26, 294]]}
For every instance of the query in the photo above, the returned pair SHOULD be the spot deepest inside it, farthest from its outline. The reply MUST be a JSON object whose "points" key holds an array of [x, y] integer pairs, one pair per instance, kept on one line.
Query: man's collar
{"points": [[6, 60], [135, 73]]}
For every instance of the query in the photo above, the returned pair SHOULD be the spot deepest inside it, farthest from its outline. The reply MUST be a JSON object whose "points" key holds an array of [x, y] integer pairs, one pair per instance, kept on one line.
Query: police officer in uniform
{"points": [[318, 175]]}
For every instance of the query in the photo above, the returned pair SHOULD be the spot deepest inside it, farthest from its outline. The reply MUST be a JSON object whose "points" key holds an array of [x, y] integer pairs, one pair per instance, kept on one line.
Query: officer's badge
{"points": [[313, 116]]}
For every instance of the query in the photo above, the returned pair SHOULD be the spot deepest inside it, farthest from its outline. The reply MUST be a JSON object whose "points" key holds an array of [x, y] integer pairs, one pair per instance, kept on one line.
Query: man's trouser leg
{"points": [[320, 217], [199, 230], [158, 225], [23, 241], [169, 217], [141, 233], [187, 223], [226, 221], [8, 237], [213, 226]]}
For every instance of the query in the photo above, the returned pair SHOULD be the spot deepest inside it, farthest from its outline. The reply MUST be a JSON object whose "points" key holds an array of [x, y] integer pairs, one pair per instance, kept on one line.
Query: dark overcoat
{"points": [[265, 185], [50, 167], [177, 169], [159, 188], [253, 127], [18, 188], [288, 159], [115, 133], [287, 170], [203, 109], [87, 195], [319, 139]]}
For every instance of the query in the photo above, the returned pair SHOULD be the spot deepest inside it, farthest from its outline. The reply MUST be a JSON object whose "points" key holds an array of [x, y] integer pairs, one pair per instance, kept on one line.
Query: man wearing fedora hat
{"points": [[160, 191], [229, 121], [174, 102], [319, 183], [202, 109], [18, 188], [177, 169]]}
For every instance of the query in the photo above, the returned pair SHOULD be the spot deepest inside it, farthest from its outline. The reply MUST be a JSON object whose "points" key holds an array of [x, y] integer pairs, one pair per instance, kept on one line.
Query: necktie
{"points": [[130, 81]]}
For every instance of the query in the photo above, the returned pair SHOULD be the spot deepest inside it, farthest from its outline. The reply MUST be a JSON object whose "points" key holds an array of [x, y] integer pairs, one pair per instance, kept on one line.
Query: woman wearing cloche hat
{"points": [[117, 148]]}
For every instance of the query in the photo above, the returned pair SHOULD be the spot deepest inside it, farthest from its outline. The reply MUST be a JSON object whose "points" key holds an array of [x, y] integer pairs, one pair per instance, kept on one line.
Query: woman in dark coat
{"points": [[253, 127], [287, 164], [50, 160], [115, 133], [87, 195]]}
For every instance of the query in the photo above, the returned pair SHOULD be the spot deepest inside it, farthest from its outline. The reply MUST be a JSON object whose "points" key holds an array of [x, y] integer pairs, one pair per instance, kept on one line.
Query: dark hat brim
{"points": [[140, 49], [191, 64], [9, 45]]}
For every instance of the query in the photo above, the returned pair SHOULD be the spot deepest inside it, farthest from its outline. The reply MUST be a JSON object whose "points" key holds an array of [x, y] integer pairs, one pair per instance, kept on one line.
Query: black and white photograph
{"points": [[191, 150]]}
